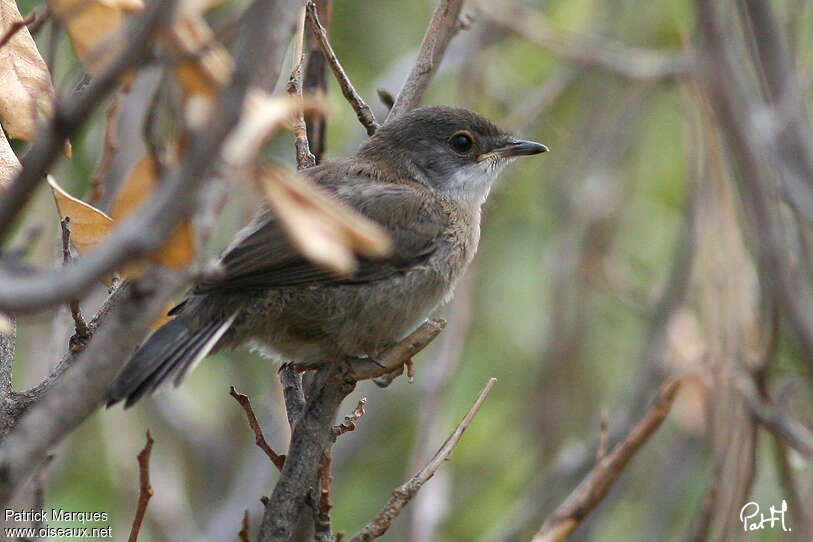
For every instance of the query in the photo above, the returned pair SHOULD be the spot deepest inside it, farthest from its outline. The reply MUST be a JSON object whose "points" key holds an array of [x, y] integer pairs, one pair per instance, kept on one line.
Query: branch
{"points": [[109, 148], [349, 423], [145, 491], [304, 157], [404, 493], [440, 32], [589, 51], [70, 115], [363, 111], [600, 480], [245, 403], [150, 226], [86, 382], [323, 532], [79, 339], [315, 83], [16, 26], [8, 336], [778, 423]]}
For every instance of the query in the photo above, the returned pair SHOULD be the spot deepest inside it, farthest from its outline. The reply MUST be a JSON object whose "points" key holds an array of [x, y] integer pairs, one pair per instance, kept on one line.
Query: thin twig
{"points": [[315, 82], [440, 32], [109, 148], [16, 26], [145, 489], [245, 403], [304, 157], [80, 338], [363, 111], [600, 480], [404, 493], [349, 423]]}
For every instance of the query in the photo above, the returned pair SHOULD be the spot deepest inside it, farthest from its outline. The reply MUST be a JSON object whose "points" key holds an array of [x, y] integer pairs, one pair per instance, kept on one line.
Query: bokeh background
{"points": [[618, 259]]}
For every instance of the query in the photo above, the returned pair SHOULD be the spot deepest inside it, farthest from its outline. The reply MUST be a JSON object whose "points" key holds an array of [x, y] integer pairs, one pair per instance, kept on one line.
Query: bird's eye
{"points": [[461, 142]]}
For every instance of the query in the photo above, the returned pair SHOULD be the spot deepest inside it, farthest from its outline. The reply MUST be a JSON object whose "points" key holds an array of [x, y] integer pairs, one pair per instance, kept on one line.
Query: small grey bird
{"points": [[424, 177]]}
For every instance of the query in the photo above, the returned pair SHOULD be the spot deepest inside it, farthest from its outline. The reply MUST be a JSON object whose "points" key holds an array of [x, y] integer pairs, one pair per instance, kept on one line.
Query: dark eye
{"points": [[461, 142]]}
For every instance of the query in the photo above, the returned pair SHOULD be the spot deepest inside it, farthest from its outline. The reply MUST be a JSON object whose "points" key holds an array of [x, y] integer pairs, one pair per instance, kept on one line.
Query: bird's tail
{"points": [[170, 352]]}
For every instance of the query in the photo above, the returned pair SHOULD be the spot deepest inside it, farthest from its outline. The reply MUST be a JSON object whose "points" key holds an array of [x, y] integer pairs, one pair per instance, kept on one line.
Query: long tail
{"points": [[170, 352]]}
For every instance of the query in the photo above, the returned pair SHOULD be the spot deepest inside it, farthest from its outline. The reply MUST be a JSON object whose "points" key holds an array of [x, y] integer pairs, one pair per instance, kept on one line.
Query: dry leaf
{"points": [[210, 65], [178, 251], [26, 92], [323, 229], [89, 225], [9, 163], [263, 114], [94, 27]]}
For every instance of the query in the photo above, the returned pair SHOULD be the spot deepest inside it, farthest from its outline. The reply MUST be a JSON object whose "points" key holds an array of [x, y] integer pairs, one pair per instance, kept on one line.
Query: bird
{"points": [[423, 177]]}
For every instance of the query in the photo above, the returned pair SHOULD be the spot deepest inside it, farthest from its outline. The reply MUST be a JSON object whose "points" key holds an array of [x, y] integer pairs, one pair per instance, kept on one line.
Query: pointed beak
{"points": [[513, 148]]}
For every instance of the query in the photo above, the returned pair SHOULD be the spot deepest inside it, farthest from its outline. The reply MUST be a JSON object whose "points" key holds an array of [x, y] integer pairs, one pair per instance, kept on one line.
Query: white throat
{"points": [[473, 182]]}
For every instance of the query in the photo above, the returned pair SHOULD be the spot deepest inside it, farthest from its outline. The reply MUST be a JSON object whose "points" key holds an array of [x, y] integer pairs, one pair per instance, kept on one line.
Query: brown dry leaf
{"points": [[210, 64], [26, 92], [89, 225], [323, 229], [94, 27], [263, 114], [178, 251], [9, 163]]}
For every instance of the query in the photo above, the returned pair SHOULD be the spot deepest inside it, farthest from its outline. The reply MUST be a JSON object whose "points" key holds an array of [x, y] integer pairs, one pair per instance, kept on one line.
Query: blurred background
{"points": [[620, 258]]}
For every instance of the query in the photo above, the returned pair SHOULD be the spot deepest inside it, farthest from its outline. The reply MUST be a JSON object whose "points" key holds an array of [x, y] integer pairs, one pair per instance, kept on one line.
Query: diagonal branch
{"points": [[145, 491], [404, 493], [440, 32], [600, 480]]}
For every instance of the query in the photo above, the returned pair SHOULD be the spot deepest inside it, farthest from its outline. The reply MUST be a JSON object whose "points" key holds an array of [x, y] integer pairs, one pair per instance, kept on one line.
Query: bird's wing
{"points": [[265, 258]]}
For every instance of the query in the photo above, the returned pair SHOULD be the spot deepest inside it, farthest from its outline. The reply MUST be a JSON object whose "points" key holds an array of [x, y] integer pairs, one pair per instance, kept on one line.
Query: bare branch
{"points": [[598, 482], [304, 157], [440, 32], [244, 528], [109, 148], [363, 111], [589, 51], [145, 489], [404, 493], [323, 532], [315, 82], [85, 384], [245, 403], [349, 423], [79, 339], [148, 228], [778, 423]]}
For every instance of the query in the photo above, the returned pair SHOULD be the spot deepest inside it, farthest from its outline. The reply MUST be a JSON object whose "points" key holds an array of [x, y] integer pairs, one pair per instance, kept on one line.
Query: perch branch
{"points": [[440, 32], [82, 334], [145, 491], [789, 430], [363, 111], [245, 403], [404, 493], [600, 480]]}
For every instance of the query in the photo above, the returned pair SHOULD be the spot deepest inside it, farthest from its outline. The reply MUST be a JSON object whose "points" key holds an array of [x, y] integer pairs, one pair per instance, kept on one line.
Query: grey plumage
{"points": [[413, 178]]}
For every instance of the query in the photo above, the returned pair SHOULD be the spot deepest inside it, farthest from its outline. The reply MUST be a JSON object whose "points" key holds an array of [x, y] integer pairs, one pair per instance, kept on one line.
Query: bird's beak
{"points": [[513, 148]]}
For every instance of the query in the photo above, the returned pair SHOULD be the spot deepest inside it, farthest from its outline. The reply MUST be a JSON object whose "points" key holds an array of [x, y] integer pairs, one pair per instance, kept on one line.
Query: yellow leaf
{"points": [[94, 27], [323, 229], [9, 164], [89, 225], [178, 251], [26, 92]]}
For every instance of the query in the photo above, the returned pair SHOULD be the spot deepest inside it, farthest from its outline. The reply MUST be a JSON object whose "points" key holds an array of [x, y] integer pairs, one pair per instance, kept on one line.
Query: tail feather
{"points": [[173, 350]]}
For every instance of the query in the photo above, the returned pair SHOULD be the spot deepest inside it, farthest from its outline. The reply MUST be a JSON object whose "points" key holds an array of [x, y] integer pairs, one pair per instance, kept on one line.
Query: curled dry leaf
{"points": [[178, 251], [9, 163], [94, 27], [323, 229], [89, 225], [263, 114], [26, 92]]}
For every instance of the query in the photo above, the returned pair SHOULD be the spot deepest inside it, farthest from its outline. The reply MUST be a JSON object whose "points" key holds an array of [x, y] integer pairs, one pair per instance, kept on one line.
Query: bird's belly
{"points": [[330, 323]]}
